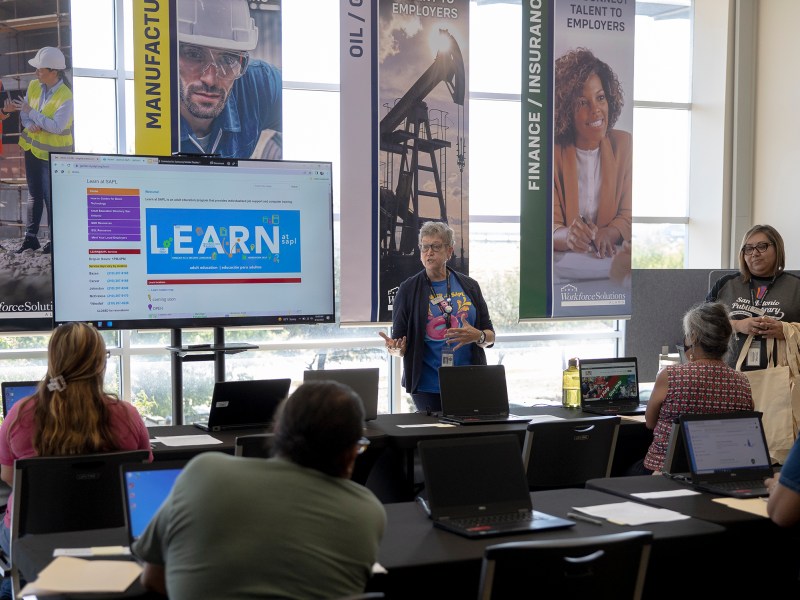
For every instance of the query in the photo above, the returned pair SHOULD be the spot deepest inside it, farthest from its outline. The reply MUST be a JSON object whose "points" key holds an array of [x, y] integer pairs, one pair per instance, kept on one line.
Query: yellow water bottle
{"points": [[571, 385]]}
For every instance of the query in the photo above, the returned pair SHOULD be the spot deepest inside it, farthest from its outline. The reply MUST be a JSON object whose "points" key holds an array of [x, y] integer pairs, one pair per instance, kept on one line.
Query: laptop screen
{"points": [[13, 391], [363, 382], [473, 389], [609, 381], [717, 444], [147, 485], [462, 475]]}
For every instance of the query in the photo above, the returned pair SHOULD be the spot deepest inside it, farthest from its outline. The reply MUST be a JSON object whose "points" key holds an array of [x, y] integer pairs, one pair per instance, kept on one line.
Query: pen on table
{"points": [[580, 517], [594, 246]]}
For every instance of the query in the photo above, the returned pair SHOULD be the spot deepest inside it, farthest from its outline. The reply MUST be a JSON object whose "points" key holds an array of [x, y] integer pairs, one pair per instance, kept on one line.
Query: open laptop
{"points": [[476, 487], [145, 487], [610, 386], [727, 453], [363, 382], [245, 404], [475, 395], [12, 391]]}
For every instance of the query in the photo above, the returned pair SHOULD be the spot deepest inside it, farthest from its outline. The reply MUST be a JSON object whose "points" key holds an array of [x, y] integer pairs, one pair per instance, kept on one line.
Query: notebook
{"points": [[475, 395], [145, 487], [727, 453], [363, 382], [12, 391], [245, 404], [610, 386], [476, 487]]}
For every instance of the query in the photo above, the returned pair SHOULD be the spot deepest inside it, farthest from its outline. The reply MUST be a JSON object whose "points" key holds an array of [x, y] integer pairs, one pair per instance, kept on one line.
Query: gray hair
{"points": [[438, 229], [708, 325]]}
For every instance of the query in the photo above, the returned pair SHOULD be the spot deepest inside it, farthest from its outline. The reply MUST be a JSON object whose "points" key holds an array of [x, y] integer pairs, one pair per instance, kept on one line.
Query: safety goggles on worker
{"points": [[195, 60]]}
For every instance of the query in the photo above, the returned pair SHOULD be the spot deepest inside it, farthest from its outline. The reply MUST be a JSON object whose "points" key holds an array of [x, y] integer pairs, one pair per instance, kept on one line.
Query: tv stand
{"points": [[181, 353]]}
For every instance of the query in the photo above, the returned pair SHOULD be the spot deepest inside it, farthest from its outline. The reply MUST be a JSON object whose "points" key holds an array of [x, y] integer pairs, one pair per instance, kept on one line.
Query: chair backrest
{"points": [[257, 445], [69, 493], [559, 454], [603, 566]]}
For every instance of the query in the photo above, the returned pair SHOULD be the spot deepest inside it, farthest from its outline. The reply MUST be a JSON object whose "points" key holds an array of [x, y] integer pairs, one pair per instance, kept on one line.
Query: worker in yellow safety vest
{"points": [[46, 113]]}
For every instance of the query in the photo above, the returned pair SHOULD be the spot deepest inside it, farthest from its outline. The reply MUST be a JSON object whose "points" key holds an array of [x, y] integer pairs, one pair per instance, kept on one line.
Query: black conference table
{"points": [[396, 475], [424, 562], [762, 558], [390, 467]]}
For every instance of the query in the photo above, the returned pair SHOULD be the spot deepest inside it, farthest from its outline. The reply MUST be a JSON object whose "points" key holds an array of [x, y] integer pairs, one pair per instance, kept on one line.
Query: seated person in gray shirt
{"points": [[291, 526]]}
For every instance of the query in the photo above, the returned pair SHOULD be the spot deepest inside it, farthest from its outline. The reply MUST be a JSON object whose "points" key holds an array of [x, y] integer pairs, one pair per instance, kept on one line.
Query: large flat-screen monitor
{"points": [[171, 242]]}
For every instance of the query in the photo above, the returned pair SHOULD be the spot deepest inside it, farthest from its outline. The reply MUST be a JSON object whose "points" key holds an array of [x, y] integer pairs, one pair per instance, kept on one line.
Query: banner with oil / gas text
{"points": [[31, 126], [404, 159], [577, 159], [208, 78]]}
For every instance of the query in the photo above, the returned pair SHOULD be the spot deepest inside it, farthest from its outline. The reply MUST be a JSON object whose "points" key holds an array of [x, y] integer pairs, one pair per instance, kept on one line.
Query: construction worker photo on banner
{"points": [[230, 102], [46, 116]]}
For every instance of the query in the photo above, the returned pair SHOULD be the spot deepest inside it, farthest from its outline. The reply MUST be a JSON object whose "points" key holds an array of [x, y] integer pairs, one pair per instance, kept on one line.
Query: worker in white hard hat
{"points": [[46, 114], [227, 99]]}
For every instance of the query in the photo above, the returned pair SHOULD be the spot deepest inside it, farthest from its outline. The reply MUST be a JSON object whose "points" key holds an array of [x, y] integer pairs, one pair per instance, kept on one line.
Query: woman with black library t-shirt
{"points": [[760, 297]]}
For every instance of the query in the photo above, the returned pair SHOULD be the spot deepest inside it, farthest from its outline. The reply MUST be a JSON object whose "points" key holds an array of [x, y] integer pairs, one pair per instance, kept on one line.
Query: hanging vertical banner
{"points": [[208, 78], [409, 58], [577, 158], [37, 117], [153, 35]]}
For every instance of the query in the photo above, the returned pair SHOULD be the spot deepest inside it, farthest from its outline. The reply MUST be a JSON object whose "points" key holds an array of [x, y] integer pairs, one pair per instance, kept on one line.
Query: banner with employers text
{"points": [[577, 159], [404, 162], [207, 78]]}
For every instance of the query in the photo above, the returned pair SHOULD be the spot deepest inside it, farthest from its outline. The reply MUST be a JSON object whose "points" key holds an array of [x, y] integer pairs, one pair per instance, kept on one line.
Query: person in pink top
{"points": [[69, 413]]}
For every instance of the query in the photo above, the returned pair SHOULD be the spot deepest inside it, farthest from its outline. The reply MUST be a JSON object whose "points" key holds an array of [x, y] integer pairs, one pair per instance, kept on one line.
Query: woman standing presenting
{"points": [[439, 318], [760, 297], [593, 162]]}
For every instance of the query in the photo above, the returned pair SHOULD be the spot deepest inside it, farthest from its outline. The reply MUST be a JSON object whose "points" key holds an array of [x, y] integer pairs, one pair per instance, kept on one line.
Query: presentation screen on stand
{"points": [[171, 242]]}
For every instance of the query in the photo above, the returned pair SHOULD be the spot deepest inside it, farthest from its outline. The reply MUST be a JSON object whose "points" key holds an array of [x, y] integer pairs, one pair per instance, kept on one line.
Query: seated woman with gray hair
{"points": [[705, 384]]}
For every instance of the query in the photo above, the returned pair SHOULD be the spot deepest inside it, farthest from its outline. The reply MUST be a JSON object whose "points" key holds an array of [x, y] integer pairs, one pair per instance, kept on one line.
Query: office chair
{"points": [[567, 453], [68, 493], [603, 566], [257, 445]]}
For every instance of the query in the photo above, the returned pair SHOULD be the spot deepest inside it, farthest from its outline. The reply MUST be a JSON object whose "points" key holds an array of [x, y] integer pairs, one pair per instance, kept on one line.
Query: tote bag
{"points": [[772, 390]]}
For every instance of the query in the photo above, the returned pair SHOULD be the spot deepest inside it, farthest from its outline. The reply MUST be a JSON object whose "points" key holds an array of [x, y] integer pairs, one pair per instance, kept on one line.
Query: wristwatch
{"points": [[482, 339]]}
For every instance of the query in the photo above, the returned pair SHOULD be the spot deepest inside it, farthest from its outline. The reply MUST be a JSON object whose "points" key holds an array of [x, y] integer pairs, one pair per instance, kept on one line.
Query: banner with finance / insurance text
{"points": [[577, 159], [405, 140]]}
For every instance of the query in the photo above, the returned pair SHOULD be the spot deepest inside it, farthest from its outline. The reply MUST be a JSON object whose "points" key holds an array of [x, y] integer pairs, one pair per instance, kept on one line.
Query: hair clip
{"points": [[57, 384]]}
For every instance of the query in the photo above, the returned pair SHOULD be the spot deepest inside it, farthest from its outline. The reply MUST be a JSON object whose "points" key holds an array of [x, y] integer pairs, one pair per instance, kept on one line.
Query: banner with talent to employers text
{"points": [[577, 159]]}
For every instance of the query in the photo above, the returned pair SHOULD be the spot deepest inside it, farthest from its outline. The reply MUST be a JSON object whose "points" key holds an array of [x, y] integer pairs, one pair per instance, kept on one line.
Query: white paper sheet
{"points": [[187, 440], [631, 513]]}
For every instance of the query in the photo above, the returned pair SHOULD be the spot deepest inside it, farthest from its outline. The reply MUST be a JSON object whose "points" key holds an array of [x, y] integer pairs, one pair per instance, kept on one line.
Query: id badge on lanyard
{"points": [[448, 358], [757, 351]]}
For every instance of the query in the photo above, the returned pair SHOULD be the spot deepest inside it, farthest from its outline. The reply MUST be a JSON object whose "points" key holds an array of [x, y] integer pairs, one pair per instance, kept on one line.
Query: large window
{"points": [[534, 353]]}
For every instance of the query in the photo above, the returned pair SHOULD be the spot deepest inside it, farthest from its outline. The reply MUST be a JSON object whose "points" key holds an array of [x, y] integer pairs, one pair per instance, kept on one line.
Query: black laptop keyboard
{"points": [[501, 519], [731, 486]]}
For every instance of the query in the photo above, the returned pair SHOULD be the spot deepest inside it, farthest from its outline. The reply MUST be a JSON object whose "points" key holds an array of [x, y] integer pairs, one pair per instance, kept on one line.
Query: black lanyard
{"points": [[445, 305]]}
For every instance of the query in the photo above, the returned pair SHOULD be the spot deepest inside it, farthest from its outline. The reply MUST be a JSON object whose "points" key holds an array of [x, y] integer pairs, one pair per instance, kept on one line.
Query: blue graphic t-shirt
{"points": [[463, 312]]}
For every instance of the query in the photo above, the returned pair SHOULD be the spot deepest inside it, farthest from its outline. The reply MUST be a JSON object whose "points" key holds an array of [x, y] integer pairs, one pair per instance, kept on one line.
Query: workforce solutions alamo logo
{"points": [[570, 295]]}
